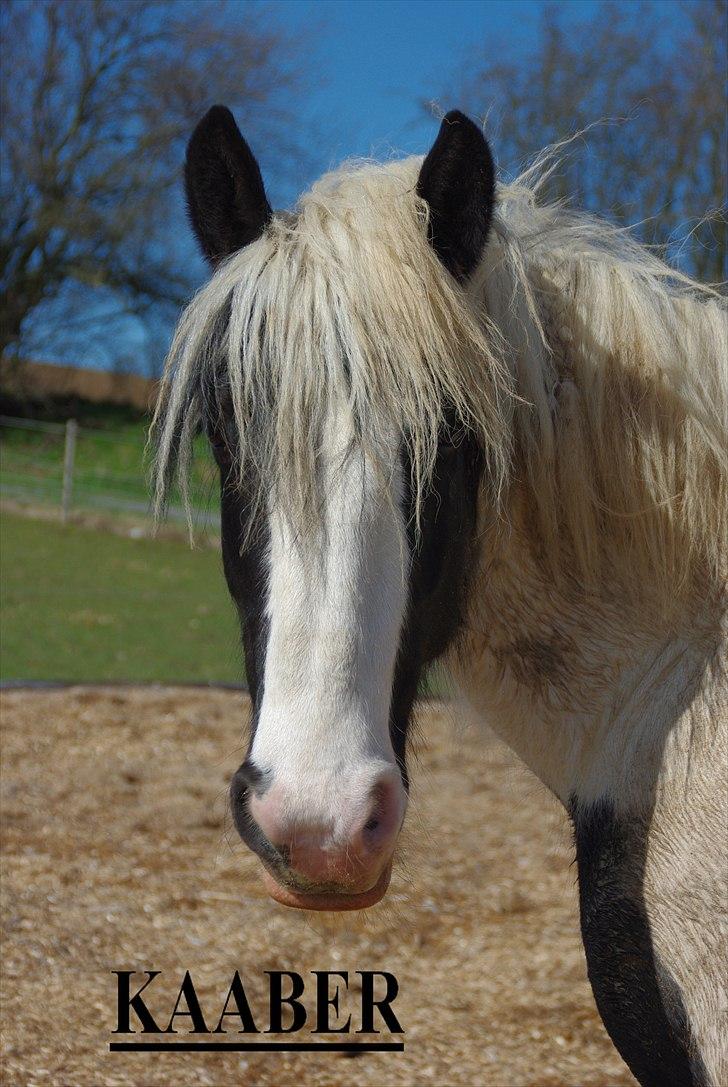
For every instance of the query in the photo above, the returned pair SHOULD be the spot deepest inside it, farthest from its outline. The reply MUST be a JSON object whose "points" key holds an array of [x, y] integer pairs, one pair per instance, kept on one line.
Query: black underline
{"points": [[258, 1047]]}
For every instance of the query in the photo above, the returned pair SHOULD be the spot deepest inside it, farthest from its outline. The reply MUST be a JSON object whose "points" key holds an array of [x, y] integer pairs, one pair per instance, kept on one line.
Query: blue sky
{"points": [[379, 60], [374, 63]]}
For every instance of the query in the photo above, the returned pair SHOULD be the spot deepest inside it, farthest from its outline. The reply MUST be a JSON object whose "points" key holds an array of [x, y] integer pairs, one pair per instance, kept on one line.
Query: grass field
{"points": [[111, 467], [80, 604], [86, 605]]}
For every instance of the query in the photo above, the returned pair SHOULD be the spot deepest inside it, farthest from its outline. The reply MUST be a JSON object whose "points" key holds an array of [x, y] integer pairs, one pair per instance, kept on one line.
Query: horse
{"points": [[454, 421]]}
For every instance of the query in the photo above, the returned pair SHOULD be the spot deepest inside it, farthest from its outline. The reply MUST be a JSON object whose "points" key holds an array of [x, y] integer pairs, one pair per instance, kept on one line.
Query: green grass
{"points": [[83, 605]]}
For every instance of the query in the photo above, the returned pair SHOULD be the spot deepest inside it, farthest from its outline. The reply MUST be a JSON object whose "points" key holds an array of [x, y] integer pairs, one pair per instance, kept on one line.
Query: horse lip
{"points": [[334, 901]]}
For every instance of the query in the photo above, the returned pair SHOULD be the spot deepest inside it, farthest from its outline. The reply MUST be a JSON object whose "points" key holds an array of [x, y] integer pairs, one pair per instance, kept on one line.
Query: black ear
{"points": [[225, 195], [457, 180]]}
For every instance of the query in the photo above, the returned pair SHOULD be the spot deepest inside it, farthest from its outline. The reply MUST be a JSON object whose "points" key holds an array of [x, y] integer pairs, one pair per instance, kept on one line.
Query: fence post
{"points": [[68, 459]]}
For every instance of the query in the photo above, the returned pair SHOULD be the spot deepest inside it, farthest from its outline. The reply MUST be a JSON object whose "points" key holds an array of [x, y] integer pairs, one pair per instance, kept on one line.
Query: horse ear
{"points": [[457, 180], [225, 195]]}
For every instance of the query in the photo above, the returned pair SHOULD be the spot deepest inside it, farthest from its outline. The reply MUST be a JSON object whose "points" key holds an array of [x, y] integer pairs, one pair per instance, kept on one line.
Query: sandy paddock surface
{"points": [[119, 855]]}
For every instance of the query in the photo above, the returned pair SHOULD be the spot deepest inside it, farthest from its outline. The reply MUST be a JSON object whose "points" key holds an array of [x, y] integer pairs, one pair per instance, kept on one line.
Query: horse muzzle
{"points": [[324, 856]]}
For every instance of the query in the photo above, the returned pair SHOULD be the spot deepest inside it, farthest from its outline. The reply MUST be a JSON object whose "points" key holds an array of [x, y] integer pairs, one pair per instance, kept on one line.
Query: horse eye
{"points": [[219, 443]]}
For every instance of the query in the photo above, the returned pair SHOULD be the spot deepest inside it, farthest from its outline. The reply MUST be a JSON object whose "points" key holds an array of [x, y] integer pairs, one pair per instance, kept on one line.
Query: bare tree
{"points": [[659, 86], [98, 98]]}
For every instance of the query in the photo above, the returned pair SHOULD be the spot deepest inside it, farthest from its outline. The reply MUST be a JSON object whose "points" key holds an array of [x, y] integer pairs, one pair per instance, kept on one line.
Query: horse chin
{"points": [[333, 901]]}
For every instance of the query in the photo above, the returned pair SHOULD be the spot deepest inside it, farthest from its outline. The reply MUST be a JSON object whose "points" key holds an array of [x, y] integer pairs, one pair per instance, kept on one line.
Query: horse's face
{"points": [[339, 620], [337, 626]]}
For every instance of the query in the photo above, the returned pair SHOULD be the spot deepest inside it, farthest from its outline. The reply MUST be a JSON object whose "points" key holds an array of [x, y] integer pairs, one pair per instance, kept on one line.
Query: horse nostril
{"points": [[253, 778], [372, 824]]}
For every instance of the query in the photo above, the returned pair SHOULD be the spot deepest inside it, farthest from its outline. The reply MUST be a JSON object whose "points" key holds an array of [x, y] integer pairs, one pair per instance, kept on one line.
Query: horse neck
{"points": [[588, 688]]}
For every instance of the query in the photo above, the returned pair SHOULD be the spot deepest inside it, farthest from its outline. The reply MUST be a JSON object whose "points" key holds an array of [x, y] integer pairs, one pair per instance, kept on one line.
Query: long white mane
{"points": [[593, 375]]}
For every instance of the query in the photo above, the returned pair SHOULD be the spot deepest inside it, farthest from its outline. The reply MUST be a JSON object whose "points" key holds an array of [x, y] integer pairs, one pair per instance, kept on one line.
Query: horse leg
{"points": [[644, 986]]}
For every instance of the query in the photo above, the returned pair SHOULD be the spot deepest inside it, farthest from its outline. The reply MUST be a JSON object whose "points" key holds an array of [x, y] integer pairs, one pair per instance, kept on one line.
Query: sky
{"points": [[380, 60], [374, 64]]}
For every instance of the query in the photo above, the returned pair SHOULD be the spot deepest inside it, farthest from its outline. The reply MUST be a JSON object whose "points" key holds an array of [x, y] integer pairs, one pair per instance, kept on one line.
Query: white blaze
{"points": [[337, 601]]}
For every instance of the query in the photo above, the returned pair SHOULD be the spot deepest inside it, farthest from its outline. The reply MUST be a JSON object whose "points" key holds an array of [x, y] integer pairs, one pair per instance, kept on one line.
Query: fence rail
{"points": [[74, 468]]}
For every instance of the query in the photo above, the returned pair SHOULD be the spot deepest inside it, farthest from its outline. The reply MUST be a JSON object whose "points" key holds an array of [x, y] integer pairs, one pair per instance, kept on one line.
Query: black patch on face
{"points": [[442, 555], [244, 557], [639, 1002]]}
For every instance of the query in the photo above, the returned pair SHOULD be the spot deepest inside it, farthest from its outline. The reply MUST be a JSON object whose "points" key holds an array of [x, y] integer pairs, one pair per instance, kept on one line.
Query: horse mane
{"points": [[621, 421], [592, 373]]}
